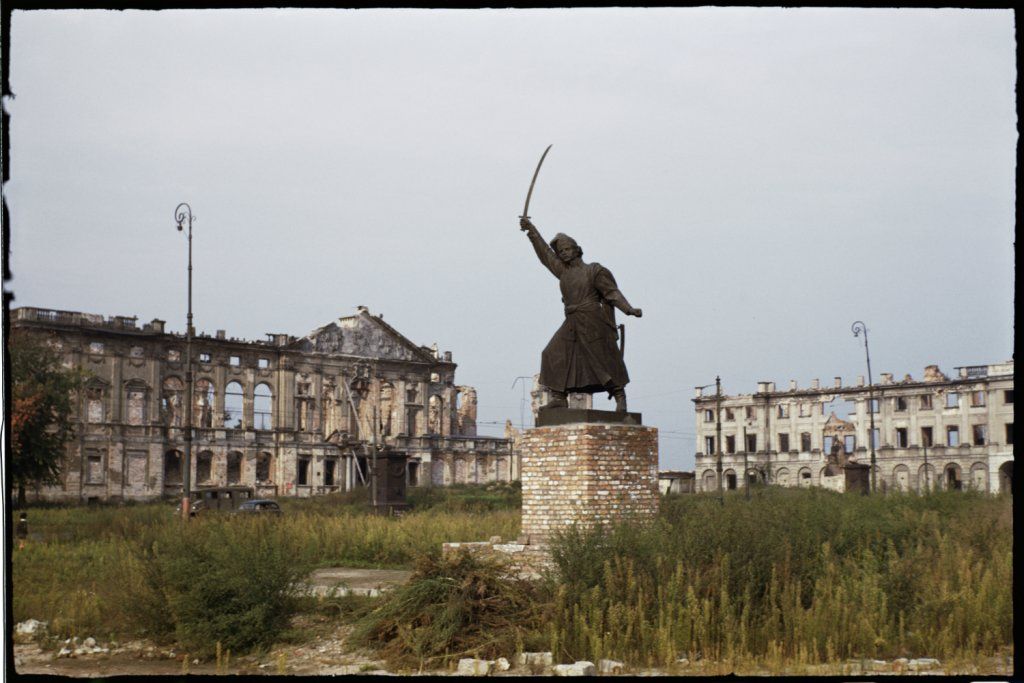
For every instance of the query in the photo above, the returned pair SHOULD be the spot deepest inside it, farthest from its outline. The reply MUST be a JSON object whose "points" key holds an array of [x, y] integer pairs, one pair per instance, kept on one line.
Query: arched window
{"points": [[730, 480], [234, 467], [202, 405], [135, 402], [901, 477], [926, 478], [979, 477], [233, 402], [434, 415], [204, 468], [171, 402], [805, 477], [709, 480], [172, 467], [782, 476], [263, 408]]}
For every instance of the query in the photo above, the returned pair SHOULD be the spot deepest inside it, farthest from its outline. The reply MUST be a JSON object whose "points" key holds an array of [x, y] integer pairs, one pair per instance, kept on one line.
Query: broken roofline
{"points": [[889, 388], [122, 324]]}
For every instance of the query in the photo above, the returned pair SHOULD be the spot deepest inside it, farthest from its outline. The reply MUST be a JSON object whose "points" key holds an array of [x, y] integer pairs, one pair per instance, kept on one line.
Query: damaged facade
{"points": [[938, 432], [287, 416]]}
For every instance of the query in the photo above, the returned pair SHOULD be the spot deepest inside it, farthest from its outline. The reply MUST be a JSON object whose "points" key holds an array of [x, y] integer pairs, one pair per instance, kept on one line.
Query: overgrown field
{"points": [[789, 577]]}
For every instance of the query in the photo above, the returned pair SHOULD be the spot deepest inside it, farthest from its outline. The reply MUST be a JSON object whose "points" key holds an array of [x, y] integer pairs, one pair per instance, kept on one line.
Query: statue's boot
{"points": [[559, 399], [620, 400]]}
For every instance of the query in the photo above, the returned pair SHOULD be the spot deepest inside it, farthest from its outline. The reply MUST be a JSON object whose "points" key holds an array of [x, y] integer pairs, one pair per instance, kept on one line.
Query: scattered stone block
{"points": [[502, 664], [900, 664], [923, 664], [610, 666], [474, 667], [582, 668], [878, 665], [89, 642]]}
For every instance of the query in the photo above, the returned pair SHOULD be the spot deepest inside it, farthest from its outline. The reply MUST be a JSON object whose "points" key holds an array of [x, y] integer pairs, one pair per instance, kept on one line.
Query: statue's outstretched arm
{"points": [[545, 253], [605, 283]]}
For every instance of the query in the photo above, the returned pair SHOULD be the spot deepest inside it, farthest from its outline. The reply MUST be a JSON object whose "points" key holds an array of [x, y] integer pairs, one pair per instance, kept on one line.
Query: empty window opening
{"points": [[362, 470], [977, 399], [96, 347], [901, 437], [728, 415], [330, 465], [1008, 397], [875, 440], [263, 469], [751, 443], [805, 442], [826, 443], [173, 355], [873, 405], [804, 409], [926, 401], [172, 467], [171, 402], [979, 434], [414, 474], [709, 416], [748, 412], [234, 361], [263, 363], [900, 404], [849, 443], [952, 399], [926, 437], [730, 481], [730, 444], [302, 476], [1009, 433], [204, 468], [783, 410], [202, 415], [262, 408], [204, 356], [233, 402], [953, 479], [783, 442], [709, 445], [234, 468], [952, 436]]}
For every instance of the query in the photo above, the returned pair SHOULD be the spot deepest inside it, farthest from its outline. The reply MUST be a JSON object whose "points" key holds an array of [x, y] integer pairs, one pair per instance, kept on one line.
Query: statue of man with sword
{"points": [[582, 356]]}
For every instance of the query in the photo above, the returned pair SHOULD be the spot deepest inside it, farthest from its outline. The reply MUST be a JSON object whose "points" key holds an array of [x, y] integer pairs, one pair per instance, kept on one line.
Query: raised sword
{"points": [[526, 208]]}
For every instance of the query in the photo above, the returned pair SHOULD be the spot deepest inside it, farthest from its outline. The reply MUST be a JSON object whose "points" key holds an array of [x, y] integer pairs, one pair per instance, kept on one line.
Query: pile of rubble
{"points": [[537, 664]]}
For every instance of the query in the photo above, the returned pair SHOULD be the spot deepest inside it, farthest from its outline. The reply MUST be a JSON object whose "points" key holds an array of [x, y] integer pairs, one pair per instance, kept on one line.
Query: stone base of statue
{"points": [[598, 470]]}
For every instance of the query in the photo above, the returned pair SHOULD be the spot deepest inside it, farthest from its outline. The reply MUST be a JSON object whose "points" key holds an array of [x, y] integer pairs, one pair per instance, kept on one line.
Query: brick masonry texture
{"points": [[587, 474]]}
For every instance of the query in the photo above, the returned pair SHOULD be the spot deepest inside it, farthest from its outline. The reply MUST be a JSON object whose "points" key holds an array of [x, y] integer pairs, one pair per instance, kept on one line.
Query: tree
{"points": [[42, 405]]}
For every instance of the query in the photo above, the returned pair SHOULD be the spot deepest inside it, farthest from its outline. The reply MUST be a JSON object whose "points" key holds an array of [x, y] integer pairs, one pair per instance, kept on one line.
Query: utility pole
{"points": [[718, 436], [746, 468]]}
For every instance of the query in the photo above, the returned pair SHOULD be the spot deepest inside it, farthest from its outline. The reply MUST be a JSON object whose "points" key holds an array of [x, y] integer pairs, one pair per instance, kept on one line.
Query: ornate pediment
{"points": [[362, 335]]}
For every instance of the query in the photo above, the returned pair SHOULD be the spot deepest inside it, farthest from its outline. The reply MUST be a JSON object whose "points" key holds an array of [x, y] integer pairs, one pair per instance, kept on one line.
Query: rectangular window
{"points": [[709, 445], [978, 434], [849, 443], [783, 410], [926, 437], [96, 347], [977, 399], [749, 411], [727, 417], [730, 444], [302, 476], [901, 437], [204, 357], [783, 443], [94, 469], [826, 443], [952, 436], [900, 404], [1009, 433], [873, 405], [803, 409], [234, 361], [926, 402], [173, 355], [952, 399], [263, 363], [1008, 397], [875, 441], [805, 442], [751, 443]]}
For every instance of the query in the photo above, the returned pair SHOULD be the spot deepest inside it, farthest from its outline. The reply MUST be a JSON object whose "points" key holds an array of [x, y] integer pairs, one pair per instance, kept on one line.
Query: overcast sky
{"points": [[756, 180]]}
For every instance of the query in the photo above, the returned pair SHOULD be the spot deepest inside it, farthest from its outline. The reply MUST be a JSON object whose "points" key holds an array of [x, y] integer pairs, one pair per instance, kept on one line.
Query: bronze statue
{"points": [[583, 355]]}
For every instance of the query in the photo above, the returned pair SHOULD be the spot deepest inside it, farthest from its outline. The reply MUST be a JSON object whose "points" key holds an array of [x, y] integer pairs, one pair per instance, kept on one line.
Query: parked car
{"points": [[260, 506], [209, 498], [195, 507]]}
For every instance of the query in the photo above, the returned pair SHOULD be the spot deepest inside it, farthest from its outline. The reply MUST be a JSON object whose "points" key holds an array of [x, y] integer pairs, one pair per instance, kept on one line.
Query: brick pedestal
{"points": [[587, 474]]}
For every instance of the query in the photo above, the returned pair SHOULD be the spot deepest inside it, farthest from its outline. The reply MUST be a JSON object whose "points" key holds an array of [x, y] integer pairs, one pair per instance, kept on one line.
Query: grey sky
{"points": [[756, 179]]}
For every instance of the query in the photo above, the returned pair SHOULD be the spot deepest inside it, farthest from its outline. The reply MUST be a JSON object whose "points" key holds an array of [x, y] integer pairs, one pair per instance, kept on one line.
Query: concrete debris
{"points": [[682, 661], [31, 628], [89, 642], [923, 664], [502, 664], [583, 668], [533, 660], [475, 667]]}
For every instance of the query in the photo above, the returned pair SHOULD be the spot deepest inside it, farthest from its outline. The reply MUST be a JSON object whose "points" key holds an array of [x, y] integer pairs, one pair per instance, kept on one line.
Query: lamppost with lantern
{"points": [[857, 328], [182, 214]]}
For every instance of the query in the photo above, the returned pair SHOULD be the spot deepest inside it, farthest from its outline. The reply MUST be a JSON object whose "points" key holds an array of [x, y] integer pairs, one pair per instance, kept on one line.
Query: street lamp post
{"points": [[857, 328], [718, 437], [522, 403], [184, 213]]}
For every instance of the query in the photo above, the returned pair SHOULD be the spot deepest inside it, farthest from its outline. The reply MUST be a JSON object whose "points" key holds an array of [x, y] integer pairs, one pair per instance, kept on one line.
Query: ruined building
{"points": [[287, 416], [936, 432]]}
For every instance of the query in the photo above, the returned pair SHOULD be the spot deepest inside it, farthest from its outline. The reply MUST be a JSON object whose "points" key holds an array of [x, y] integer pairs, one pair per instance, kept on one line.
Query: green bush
{"points": [[230, 581]]}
